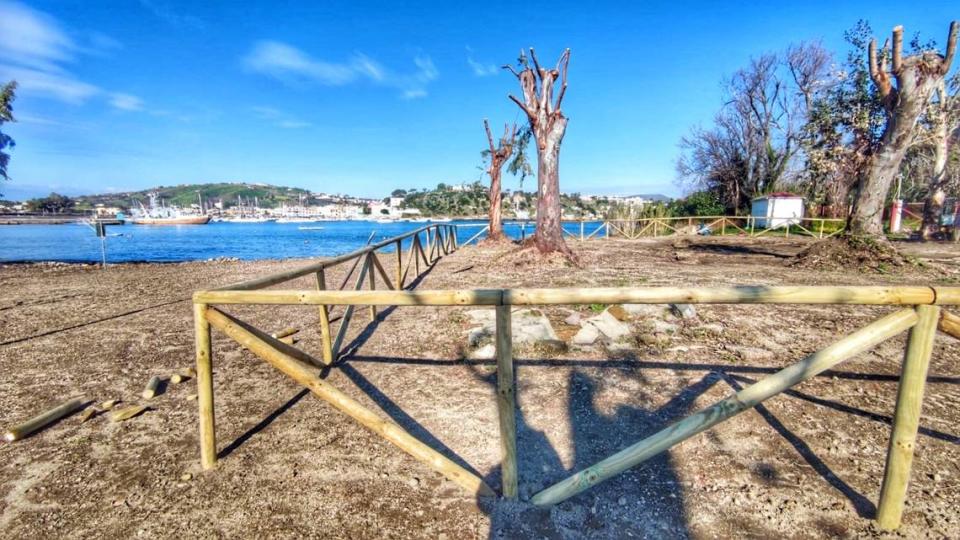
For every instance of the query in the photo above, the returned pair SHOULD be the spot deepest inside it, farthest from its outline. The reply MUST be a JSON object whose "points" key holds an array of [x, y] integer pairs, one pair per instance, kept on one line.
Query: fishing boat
{"points": [[158, 214]]}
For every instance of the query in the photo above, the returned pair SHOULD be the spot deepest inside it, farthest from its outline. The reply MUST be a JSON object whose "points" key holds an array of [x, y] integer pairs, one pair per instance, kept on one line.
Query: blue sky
{"points": [[360, 98]]}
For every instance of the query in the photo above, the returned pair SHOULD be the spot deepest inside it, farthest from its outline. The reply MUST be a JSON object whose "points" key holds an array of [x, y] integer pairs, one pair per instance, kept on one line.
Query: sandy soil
{"points": [[806, 464]]}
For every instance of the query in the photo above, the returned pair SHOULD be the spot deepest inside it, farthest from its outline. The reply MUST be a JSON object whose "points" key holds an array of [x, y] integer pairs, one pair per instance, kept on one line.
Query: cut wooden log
{"points": [[109, 404], [183, 375], [284, 333], [127, 413], [151, 390], [44, 419], [88, 414]]}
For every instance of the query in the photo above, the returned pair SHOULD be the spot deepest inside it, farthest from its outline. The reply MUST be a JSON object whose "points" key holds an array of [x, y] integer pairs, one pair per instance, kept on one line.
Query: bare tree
{"points": [[917, 77], [548, 125], [944, 117], [498, 155], [757, 134]]}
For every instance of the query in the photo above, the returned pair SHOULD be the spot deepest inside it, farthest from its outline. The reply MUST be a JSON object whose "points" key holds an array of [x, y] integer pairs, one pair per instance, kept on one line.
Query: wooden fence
{"points": [[632, 229], [919, 312]]}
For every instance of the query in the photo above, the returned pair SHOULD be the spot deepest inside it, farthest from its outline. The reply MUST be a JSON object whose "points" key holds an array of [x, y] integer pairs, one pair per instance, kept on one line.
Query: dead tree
{"points": [[916, 78], [548, 125], [498, 154], [943, 123]]}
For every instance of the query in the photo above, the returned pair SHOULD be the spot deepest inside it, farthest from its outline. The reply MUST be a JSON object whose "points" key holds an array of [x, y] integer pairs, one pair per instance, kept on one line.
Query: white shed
{"points": [[777, 210]]}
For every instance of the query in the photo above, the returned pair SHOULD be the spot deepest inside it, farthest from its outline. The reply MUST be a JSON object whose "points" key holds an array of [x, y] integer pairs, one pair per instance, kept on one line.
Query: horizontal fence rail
{"points": [[920, 313]]}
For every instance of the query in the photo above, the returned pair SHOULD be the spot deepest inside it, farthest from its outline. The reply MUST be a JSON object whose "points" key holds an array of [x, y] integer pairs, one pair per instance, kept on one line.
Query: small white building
{"points": [[776, 210]]}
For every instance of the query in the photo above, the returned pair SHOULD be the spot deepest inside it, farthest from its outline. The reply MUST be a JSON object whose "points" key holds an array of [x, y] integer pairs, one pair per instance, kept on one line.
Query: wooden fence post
{"points": [[906, 419], [373, 282], [506, 402], [208, 437], [399, 281], [326, 342]]}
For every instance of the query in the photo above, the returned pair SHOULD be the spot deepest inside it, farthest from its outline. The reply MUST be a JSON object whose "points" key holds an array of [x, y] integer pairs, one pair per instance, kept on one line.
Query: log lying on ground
{"points": [[151, 390], [44, 419], [109, 404], [127, 413], [88, 414], [284, 333], [183, 375]]}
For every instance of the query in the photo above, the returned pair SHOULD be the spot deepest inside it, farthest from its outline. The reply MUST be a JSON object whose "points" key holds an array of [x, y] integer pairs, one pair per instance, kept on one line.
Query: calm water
{"points": [[128, 243]]}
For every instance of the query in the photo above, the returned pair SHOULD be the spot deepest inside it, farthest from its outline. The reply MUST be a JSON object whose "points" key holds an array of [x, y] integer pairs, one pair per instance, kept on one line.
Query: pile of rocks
{"points": [[617, 327]]}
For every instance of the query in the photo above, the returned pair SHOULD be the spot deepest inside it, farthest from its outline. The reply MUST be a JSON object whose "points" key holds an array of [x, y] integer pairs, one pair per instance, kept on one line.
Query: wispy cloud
{"points": [[294, 67], [480, 69], [126, 102], [279, 118], [36, 51], [164, 12]]}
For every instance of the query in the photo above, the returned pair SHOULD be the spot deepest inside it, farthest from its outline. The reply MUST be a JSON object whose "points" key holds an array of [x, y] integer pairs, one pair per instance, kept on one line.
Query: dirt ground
{"points": [[805, 464]]}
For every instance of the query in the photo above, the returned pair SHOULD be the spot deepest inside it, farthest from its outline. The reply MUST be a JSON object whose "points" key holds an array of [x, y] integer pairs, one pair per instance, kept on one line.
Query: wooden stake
{"points": [[906, 419], [506, 402], [348, 314], [371, 260], [399, 274], [850, 346], [208, 437], [382, 272], [151, 388], [949, 324], [284, 333], [258, 343], [43, 419], [127, 413], [326, 343]]}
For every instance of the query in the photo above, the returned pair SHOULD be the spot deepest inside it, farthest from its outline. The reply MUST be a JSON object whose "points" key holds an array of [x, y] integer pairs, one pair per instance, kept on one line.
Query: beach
{"points": [[807, 463]]}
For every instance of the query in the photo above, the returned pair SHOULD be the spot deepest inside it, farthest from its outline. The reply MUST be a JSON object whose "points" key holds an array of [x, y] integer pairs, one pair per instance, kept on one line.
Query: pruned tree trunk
{"points": [[498, 156], [917, 77], [548, 125], [937, 193]]}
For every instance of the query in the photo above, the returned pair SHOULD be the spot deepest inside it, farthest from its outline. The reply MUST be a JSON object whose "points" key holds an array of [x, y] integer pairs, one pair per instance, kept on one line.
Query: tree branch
{"points": [[486, 126], [951, 47], [897, 49], [878, 72], [562, 65], [522, 106], [509, 67], [536, 64]]}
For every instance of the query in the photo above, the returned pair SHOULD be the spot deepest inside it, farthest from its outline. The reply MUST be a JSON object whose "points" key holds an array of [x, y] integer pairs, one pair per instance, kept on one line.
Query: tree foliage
{"points": [[7, 95], [54, 203]]}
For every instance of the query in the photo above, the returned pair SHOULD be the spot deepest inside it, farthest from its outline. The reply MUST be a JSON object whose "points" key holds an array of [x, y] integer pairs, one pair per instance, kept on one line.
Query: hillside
{"points": [[186, 194]]}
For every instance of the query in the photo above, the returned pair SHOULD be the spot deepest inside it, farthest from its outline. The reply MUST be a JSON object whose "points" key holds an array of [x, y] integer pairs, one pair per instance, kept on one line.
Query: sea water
{"points": [[248, 241]]}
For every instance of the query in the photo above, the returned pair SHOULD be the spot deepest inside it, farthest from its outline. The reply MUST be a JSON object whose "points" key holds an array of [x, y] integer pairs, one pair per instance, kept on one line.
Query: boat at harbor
{"points": [[158, 214]]}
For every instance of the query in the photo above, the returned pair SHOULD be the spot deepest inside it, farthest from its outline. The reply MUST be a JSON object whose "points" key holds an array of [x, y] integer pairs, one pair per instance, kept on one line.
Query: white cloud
{"points": [[167, 14], [288, 64], [293, 66], [480, 69], [35, 51], [126, 102], [279, 118]]}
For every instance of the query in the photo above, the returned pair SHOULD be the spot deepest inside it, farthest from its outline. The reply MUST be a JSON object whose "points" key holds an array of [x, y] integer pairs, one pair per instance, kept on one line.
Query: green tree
{"points": [[7, 95], [53, 203]]}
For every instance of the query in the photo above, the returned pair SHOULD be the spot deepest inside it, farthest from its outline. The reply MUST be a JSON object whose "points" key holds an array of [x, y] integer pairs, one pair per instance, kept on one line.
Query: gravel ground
{"points": [[805, 464]]}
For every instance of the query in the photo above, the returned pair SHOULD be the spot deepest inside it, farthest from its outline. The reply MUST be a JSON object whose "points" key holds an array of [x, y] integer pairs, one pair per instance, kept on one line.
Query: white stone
{"points": [[487, 352], [482, 316], [573, 319], [684, 311], [531, 326], [587, 335], [609, 326]]}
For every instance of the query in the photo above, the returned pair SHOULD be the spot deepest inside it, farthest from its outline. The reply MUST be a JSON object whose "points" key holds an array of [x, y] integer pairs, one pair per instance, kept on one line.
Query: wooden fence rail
{"points": [[920, 312]]}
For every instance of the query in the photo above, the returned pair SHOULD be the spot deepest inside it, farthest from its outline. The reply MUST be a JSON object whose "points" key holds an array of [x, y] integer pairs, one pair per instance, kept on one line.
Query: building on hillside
{"points": [[776, 210]]}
